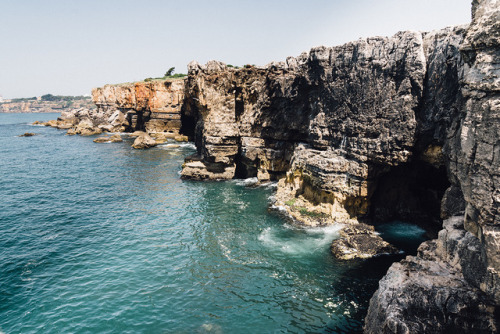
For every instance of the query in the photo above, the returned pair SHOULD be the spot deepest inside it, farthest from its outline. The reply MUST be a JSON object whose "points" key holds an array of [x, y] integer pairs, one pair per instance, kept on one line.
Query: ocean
{"points": [[102, 238]]}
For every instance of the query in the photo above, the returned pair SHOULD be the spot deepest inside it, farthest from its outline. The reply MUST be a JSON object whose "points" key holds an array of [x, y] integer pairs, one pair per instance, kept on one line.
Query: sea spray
{"points": [[296, 240]]}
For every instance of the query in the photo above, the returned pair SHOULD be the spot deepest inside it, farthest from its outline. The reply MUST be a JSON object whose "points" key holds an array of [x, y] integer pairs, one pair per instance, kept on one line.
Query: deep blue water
{"points": [[101, 238]]}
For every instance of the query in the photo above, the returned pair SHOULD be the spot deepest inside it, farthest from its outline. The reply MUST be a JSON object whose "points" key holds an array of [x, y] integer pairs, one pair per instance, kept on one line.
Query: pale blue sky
{"points": [[66, 47]]}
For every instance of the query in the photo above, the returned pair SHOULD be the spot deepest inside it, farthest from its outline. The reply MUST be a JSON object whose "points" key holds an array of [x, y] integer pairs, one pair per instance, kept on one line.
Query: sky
{"points": [[67, 47]]}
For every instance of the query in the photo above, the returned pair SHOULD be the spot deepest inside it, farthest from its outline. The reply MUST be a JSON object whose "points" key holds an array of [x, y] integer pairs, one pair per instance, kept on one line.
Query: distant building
{"points": [[1, 98]]}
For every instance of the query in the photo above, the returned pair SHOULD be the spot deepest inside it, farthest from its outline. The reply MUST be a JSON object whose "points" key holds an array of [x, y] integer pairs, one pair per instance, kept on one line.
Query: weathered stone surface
{"points": [[366, 114], [474, 149], [116, 138], [144, 141], [153, 106], [181, 138], [71, 132], [195, 168], [382, 128]]}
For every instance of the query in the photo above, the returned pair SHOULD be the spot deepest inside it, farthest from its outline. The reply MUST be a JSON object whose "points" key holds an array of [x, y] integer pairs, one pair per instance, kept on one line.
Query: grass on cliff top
{"points": [[167, 77], [150, 80]]}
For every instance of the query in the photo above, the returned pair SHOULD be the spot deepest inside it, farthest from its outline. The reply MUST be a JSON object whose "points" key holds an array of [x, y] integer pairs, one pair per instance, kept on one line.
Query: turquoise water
{"points": [[407, 237], [101, 238]]}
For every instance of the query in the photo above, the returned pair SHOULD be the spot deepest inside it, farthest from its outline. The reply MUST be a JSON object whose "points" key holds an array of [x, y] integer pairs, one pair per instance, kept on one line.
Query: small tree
{"points": [[170, 72]]}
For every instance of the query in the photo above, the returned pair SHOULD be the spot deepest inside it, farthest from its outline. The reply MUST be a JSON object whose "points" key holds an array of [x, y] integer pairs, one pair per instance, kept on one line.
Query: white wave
{"points": [[246, 182], [173, 145], [270, 185], [186, 145], [280, 208], [299, 240]]}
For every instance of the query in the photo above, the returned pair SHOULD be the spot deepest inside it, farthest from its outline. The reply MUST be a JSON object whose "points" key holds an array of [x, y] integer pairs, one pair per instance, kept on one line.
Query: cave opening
{"points": [[245, 168], [410, 193], [188, 126]]}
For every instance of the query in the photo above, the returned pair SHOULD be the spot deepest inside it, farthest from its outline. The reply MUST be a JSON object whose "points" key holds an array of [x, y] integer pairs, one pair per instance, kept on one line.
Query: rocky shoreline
{"points": [[385, 128]]}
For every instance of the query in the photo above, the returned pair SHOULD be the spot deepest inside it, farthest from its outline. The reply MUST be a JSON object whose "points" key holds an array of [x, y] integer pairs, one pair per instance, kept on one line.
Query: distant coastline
{"points": [[45, 104]]}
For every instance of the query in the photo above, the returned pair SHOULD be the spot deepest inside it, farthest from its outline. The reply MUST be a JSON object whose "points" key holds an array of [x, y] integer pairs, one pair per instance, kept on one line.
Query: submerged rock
{"points": [[144, 141], [101, 140], [28, 134], [116, 138]]}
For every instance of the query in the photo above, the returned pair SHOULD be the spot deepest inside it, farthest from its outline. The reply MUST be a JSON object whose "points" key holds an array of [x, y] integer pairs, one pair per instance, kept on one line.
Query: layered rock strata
{"points": [[153, 106]]}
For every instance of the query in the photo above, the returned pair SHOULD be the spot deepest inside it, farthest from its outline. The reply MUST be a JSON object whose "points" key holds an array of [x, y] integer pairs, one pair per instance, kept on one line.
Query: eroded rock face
{"points": [[153, 106], [453, 284], [474, 150], [340, 128], [357, 100]]}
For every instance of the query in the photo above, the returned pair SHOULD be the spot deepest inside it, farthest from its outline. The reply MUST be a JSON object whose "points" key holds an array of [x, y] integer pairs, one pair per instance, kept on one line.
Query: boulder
{"points": [[137, 133], [86, 128], [144, 141]]}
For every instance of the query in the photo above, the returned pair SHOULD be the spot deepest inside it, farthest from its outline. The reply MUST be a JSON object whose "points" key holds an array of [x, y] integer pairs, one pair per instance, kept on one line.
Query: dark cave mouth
{"points": [[410, 193]]}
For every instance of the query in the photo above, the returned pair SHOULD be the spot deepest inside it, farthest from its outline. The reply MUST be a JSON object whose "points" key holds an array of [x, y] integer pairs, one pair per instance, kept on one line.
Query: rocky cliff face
{"points": [[405, 128], [335, 122], [153, 106]]}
